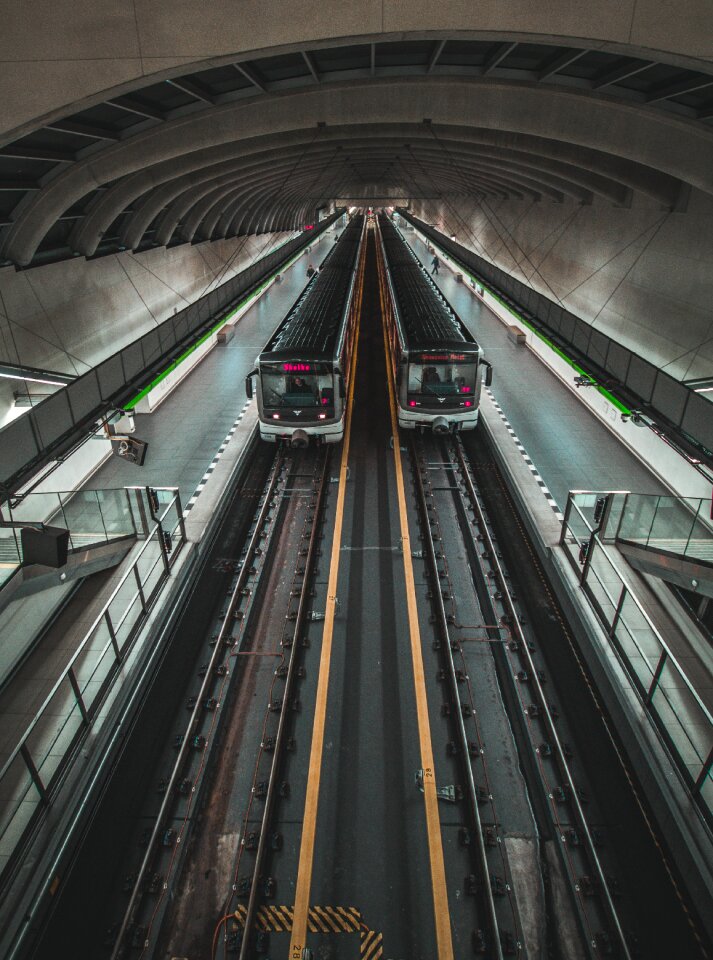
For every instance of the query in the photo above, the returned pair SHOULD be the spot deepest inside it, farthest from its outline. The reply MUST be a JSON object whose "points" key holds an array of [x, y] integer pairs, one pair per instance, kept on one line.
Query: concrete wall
{"points": [[70, 315], [56, 52], [640, 275]]}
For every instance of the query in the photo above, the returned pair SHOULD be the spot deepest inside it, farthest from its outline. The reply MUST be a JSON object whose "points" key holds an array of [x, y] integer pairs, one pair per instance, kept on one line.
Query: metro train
{"points": [[304, 370], [438, 366]]}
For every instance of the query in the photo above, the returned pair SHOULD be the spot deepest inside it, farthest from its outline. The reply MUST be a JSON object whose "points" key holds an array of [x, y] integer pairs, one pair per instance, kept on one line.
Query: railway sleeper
{"points": [[498, 885], [155, 883], [479, 941]]}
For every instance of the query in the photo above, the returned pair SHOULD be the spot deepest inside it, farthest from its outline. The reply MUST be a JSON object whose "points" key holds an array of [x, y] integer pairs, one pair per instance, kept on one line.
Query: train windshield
{"points": [[297, 385], [443, 379]]}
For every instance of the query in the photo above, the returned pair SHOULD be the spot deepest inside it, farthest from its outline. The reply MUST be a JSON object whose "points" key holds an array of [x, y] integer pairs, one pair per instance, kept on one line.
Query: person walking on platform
{"points": [[435, 264]]}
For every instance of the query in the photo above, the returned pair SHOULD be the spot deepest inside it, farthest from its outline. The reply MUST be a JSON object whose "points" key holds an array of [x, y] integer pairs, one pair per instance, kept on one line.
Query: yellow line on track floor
{"points": [[309, 825], [444, 940]]}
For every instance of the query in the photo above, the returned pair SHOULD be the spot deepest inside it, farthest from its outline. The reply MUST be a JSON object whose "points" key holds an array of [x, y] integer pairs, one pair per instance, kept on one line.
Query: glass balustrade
{"points": [[676, 525], [32, 768], [667, 694]]}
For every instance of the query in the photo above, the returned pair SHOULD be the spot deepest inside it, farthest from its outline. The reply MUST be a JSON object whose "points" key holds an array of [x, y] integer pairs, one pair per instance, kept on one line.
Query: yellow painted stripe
{"points": [[304, 871], [348, 920], [373, 949], [285, 915], [444, 941], [316, 918], [326, 916], [276, 922]]}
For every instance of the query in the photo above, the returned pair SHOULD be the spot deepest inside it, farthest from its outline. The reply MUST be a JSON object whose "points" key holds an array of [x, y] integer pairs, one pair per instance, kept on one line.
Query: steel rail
{"points": [[197, 710], [464, 752], [246, 947], [519, 635]]}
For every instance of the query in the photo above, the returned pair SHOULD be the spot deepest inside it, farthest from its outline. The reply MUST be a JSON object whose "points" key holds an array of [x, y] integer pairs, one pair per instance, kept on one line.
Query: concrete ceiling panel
{"points": [[672, 26], [185, 28], [29, 88], [90, 30], [600, 19]]}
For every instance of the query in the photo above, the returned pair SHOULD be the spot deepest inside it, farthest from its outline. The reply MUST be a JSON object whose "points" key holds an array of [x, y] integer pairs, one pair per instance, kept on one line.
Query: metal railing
{"points": [[669, 698], [91, 516], [30, 775], [678, 525]]}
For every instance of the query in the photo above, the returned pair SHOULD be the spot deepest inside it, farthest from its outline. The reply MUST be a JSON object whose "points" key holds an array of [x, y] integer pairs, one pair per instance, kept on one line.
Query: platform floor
{"points": [[570, 447], [187, 429]]}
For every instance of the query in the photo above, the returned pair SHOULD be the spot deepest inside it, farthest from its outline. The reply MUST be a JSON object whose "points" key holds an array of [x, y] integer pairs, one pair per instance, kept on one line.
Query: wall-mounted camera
{"points": [[130, 448]]}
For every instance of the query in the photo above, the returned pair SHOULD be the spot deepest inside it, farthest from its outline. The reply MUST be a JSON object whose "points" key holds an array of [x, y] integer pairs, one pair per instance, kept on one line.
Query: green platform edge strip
{"points": [[560, 353], [206, 336]]}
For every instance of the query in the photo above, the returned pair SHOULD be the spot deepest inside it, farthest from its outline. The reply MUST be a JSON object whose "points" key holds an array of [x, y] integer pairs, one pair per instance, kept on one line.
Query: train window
{"points": [[296, 389], [442, 379]]}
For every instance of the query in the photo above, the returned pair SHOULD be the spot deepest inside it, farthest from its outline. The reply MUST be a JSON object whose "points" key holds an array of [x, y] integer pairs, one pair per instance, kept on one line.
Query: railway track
{"points": [[443, 479], [292, 501]]}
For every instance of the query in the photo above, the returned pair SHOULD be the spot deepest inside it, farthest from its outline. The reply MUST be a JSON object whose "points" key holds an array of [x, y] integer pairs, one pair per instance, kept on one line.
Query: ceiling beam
{"points": [[624, 70], [6, 185], [250, 75], [495, 58], [311, 65], [679, 87], [435, 55], [560, 62], [20, 152], [91, 130], [192, 89], [130, 105]]}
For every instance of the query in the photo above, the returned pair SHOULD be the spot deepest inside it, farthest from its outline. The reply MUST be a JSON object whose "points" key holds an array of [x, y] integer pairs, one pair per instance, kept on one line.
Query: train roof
{"points": [[313, 323], [427, 319]]}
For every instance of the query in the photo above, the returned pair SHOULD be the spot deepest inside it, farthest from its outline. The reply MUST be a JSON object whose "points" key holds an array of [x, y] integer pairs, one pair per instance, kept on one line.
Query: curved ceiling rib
{"points": [[237, 147], [219, 190]]}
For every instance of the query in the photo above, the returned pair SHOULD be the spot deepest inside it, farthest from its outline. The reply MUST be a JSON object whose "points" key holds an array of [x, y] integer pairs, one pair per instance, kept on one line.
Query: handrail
{"points": [[670, 655], [88, 635], [690, 513], [665, 654]]}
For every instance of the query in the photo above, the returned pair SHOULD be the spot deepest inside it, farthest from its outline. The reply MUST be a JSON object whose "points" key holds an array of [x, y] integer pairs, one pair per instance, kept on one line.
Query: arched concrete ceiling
{"points": [[149, 123]]}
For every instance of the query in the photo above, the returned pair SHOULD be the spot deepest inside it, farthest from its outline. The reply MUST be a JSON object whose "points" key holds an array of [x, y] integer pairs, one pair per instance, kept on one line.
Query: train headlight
{"points": [[322, 416], [276, 416]]}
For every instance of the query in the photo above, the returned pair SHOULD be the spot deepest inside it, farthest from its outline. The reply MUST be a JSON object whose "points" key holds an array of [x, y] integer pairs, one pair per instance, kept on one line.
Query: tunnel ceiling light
{"points": [[701, 385], [11, 372]]}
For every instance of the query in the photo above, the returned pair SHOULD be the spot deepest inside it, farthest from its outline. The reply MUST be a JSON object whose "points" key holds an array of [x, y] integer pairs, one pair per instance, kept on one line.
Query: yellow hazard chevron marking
{"points": [[278, 919]]}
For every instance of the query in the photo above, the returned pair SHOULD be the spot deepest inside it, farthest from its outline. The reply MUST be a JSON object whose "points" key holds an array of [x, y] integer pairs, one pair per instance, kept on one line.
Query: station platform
{"points": [[196, 437], [550, 444], [568, 446]]}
